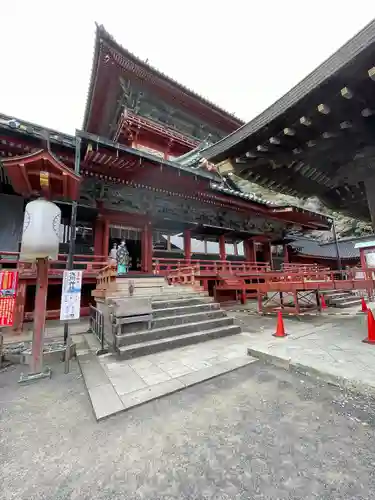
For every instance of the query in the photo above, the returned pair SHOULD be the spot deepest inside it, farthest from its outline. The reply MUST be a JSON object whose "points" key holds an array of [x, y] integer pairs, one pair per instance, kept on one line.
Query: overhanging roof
{"points": [[111, 59], [18, 137], [318, 138]]}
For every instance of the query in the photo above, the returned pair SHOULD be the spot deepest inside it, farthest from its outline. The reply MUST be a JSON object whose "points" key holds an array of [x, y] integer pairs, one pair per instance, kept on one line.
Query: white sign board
{"points": [[370, 259], [71, 295]]}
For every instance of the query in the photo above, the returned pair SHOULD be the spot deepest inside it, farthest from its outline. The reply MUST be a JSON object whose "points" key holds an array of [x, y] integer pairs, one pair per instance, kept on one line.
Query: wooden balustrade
{"points": [[354, 278], [165, 266], [89, 264], [105, 277], [184, 275], [288, 266], [260, 277]]}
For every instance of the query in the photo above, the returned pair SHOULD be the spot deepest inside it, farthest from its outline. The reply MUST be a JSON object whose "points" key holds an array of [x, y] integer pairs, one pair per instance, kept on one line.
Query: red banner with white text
{"points": [[8, 290]]}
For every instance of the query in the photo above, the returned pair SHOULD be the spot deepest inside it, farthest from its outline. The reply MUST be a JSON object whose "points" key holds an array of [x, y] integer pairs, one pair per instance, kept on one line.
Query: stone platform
{"points": [[115, 386], [329, 348]]}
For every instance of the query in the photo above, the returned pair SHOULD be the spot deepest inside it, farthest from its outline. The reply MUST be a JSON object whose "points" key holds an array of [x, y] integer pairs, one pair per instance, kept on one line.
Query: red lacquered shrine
{"points": [[141, 178]]}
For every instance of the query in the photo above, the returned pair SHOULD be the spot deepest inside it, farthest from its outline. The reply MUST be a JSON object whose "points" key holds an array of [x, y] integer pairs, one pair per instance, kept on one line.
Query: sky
{"points": [[242, 55]]}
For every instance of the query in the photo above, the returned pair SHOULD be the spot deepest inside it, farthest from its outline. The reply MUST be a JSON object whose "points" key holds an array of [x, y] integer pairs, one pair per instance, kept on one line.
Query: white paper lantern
{"points": [[41, 228]]}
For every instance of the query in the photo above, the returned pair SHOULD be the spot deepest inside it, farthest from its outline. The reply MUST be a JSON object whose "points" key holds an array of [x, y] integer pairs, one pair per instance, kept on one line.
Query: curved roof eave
{"points": [[326, 70], [102, 34]]}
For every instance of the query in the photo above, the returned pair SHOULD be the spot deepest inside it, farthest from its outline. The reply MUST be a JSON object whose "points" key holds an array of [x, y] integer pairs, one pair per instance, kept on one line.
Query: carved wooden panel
{"points": [[140, 201]]}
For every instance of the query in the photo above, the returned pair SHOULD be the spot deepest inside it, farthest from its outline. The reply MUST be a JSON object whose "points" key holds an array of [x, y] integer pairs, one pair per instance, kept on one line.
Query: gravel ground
{"points": [[257, 433]]}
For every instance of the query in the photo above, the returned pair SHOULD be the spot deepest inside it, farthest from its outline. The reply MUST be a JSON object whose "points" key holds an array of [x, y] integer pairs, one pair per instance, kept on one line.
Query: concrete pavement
{"points": [[330, 348]]}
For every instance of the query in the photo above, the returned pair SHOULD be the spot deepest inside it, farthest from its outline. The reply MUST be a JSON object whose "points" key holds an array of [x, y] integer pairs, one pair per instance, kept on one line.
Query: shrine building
{"points": [[141, 178]]}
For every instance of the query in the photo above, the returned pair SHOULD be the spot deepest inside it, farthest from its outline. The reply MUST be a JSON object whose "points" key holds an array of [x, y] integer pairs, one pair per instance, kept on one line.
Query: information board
{"points": [[71, 295], [8, 290]]}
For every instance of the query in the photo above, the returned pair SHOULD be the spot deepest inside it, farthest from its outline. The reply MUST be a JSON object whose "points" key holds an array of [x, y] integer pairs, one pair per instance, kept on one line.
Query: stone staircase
{"points": [[181, 315], [341, 299]]}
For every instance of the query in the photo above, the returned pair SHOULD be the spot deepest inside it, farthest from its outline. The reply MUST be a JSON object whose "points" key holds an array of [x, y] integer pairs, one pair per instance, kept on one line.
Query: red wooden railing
{"points": [[184, 275], [294, 267], [355, 278], [89, 264], [143, 123], [165, 266], [262, 278], [105, 277]]}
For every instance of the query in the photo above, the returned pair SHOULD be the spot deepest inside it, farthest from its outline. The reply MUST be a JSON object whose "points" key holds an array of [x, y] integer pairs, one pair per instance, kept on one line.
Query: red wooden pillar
{"points": [[286, 254], [187, 244], [249, 250], [106, 238], [146, 249], [267, 252], [222, 251], [39, 315], [363, 258], [99, 238], [149, 248]]}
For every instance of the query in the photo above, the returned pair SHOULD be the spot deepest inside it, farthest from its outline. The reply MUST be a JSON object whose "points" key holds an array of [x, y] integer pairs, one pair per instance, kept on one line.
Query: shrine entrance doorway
{"points": [[132, 238]]}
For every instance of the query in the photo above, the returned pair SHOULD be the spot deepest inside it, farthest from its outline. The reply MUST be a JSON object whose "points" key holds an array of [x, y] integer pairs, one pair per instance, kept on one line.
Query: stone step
{"points": [[173, 330], [162, 295], [347, 303], [337, 295], [345, 298], [139, 281], [167, 303], [141, 287], [185, 288], [153, 346], [176, 294], [183, 319], [181, 310]]}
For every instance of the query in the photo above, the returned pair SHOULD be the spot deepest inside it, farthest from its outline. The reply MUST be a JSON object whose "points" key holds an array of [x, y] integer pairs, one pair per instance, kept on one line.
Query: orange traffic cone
{"points": [[280, 330], [364, 307], [323, 303], [370, 328]]}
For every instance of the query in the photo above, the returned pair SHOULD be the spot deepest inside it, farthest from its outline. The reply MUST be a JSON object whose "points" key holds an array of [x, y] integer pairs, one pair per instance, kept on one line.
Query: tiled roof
{"points": [[239, 193], [347, 250], [37, 131]]}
